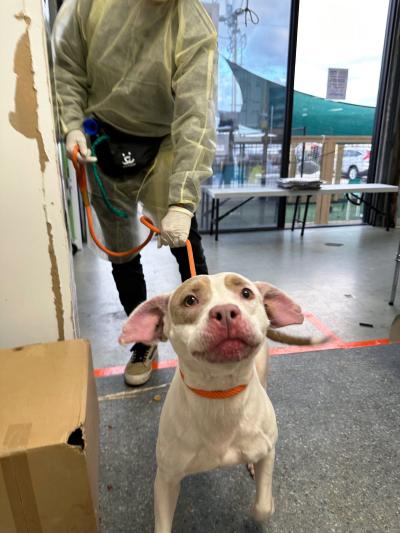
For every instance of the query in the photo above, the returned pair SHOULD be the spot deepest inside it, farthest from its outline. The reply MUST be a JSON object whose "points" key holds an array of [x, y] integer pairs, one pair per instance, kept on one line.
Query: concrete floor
{"points": [[342, 276], [338, 461]]}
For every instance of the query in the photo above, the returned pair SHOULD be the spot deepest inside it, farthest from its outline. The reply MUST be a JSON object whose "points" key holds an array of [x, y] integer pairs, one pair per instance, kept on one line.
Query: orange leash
{"points": [[81, 178], [215, 394]]}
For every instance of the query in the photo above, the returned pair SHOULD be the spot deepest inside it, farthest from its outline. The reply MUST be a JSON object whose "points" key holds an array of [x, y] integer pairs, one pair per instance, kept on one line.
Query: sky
{"points": [[345, 34], [331, 33]]}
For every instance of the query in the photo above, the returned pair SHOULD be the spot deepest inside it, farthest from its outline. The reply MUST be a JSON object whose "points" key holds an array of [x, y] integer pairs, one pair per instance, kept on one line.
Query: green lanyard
{"points": [[118, 212]]}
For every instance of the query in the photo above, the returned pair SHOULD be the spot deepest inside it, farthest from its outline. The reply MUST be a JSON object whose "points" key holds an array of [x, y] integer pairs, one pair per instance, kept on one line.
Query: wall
{"points": [[36, 277]]}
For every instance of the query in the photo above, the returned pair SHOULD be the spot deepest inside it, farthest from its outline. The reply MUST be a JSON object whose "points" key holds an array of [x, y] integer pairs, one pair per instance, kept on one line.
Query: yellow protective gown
{"points": [[147, 68]]}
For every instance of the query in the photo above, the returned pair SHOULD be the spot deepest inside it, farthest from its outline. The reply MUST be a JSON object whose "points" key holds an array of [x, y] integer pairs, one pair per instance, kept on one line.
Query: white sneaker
{"points": [[138, 369]]}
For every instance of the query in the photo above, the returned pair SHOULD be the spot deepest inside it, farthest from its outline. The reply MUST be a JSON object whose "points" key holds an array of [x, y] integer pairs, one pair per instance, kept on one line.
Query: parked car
{"points": [[355, 163]]}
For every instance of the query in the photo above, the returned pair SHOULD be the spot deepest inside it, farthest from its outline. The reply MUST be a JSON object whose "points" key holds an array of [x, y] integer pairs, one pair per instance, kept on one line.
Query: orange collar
{"points": [[215, 394]]}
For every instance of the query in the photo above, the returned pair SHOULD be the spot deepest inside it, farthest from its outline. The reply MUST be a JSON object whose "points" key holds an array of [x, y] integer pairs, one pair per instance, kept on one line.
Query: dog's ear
{"points": [[280, 308], [146, 323]]}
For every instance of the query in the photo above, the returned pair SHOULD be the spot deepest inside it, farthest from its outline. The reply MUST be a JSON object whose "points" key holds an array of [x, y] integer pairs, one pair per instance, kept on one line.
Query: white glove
{"points": [[77, 137], [175, 227]]}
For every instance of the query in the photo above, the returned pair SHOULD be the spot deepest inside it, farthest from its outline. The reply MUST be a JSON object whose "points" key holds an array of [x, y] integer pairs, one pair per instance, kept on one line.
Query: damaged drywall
{"points": [[24, 119], [55, 281]]}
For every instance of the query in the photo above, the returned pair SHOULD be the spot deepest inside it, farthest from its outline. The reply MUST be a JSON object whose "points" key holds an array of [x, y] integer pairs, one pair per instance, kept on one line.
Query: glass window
{"points": [[253, 48], [338, 61]]}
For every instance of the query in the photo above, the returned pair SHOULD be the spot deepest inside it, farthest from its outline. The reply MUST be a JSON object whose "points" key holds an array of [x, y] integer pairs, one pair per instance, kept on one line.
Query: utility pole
{"points": [[235, 32], [231, 20]]}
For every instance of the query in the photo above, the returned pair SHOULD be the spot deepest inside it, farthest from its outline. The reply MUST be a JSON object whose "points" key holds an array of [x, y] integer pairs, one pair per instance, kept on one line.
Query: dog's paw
{"points": [[250, 470], [261, 513]]}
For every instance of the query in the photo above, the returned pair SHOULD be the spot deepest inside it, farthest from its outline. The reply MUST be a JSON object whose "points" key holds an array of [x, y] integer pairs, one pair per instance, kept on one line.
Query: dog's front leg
{"points": [[263, 506], [165, 497]]}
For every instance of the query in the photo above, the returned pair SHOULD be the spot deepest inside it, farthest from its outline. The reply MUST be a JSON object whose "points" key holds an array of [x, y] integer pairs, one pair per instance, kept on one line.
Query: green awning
{"points": [[264, 106]]}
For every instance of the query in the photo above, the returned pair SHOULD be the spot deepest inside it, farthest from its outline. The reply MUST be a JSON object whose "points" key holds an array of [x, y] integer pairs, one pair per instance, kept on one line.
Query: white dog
{"points": [[217, 412]]}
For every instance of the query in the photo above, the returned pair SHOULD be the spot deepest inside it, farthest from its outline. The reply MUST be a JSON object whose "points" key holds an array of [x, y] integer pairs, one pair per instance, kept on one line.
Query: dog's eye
{"points": [[190, 300], [247, 293]]}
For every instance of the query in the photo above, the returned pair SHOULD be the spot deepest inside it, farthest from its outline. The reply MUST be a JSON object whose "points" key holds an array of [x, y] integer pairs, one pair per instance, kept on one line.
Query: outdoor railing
{"points": [[249, 160]]}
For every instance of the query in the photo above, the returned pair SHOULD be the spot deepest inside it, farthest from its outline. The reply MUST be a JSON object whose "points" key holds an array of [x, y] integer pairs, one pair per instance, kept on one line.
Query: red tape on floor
{"points": [[334, 343], [274, 352], [321, 327]]}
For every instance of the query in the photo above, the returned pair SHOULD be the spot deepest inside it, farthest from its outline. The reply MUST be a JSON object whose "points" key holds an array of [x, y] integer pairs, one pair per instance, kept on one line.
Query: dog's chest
{"points": [[247, 449], [219, 446], [201, 435], [224, 450]]}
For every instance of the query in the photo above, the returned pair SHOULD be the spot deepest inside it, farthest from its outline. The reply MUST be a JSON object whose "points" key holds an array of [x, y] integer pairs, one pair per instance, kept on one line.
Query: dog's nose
{"points": [[225, 314]]}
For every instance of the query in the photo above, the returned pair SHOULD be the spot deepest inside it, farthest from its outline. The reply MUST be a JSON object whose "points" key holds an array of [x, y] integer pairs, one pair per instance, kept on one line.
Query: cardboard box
{"points": [[49, 439]]}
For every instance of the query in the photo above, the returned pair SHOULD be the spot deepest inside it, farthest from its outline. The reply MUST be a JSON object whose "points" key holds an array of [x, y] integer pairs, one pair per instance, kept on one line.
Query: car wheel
{"points": [[352, 173]]}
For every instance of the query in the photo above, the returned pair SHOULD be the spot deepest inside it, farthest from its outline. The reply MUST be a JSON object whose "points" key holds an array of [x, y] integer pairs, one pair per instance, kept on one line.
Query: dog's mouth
{"points": [[227, 350]]}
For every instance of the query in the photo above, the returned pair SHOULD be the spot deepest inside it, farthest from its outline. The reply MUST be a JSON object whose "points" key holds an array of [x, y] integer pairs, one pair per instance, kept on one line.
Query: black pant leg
{"points": [[130, 283], [181, 256]]}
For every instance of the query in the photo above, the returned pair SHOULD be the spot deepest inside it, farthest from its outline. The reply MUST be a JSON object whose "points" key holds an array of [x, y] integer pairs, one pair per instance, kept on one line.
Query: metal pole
{"points": [[395, 278], [264, 157], [287, 131], [235, 32], [303, 149]]}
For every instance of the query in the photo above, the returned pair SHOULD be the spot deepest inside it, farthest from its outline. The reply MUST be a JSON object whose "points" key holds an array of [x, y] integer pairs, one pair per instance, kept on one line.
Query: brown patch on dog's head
{"points": [[236, 284], [189, 298], [233, 281]]}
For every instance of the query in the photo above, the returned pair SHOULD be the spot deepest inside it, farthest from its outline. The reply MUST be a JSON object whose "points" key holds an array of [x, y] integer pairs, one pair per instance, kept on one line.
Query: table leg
{"points": [[207, 210], [387, 212], [296, 205], [212, 216], [374, 214], [217, 220], [203, 195], [305, 214]]}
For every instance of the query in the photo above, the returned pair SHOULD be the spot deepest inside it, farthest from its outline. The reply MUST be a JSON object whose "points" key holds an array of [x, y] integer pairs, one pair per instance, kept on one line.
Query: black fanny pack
{"points": [[120, 154]]}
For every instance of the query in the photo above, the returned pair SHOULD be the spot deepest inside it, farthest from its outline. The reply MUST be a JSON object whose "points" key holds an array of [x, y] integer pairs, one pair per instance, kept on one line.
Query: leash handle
{"points": [[81, 178], [149, 223]]}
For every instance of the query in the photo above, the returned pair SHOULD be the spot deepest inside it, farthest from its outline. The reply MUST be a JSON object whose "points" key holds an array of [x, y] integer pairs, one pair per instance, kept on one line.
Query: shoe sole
{"points": [[139, 379]]}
